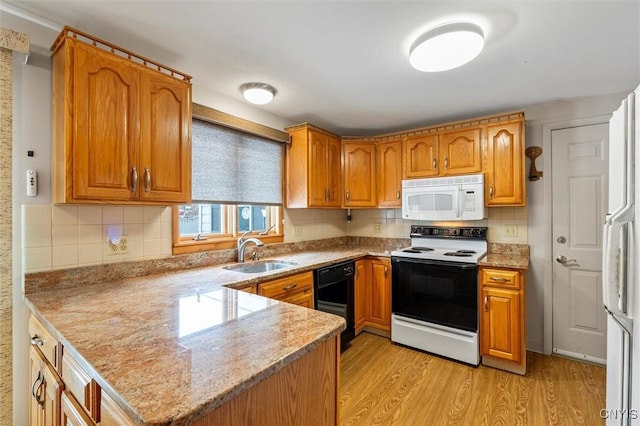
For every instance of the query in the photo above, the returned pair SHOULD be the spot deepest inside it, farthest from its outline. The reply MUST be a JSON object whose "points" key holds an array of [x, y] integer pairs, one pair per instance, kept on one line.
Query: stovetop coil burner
{"points": [[417, 249]]}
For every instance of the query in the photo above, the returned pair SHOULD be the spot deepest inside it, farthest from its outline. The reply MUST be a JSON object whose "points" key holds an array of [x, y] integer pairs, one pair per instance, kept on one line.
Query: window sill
{"points": [[221, 243]]}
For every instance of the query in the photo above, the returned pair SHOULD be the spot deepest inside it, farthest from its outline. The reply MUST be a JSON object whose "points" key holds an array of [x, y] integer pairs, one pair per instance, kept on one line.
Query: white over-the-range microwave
{"points": [[444, 198]]}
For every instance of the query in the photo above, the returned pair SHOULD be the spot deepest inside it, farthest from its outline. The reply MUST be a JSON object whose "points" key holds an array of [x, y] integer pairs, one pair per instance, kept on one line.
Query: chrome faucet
{"points": [[242, 244]]}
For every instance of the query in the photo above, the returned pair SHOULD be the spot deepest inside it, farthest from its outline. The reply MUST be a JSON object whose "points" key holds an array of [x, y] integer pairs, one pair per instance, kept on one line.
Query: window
{"points": [[236, 187]]}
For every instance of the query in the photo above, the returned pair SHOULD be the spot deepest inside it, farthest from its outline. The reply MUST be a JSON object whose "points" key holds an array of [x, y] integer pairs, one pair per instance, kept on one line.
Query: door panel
{"points": [[166, 140], [106, 138], [390, 174], [579, 169]]}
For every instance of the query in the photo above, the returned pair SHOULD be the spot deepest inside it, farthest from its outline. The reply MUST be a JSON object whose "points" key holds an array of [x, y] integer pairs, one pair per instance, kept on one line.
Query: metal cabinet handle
{"points": [[446, 162], [36, 341], [491, 191], [486, 304], [500, 280], [435, 164], [398, 194], [36, 391], [147, 179], [134, 179], [347, 195], [386, 271], [290, 287]]}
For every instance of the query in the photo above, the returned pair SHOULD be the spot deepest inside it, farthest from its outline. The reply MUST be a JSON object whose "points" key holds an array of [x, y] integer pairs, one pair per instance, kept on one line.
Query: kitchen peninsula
{"points": [[185, 347]]}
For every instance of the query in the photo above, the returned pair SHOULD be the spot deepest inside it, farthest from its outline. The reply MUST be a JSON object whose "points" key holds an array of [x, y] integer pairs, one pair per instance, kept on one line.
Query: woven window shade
{"points": [[234, 167]]}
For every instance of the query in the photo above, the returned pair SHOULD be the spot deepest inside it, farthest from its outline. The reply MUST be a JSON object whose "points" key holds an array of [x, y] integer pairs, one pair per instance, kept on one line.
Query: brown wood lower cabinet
{"points": [[305, 391], [373, 294], [502, 335], [296, 289], [72, 412], [46, 389]]}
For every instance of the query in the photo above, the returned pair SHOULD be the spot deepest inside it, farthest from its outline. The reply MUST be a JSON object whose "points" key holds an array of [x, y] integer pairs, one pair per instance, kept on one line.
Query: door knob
{"points": [[563, 259]]}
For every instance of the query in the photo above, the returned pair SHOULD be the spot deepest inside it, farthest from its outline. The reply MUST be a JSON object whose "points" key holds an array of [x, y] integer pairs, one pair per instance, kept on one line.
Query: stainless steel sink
{"points": [[259, 266]]}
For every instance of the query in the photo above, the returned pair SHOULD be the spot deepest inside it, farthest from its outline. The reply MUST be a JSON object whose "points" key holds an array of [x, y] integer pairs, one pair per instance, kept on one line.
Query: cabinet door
{"points": [[105, 135], [504, 165], [379, 311], [72, 413], [390, 174], [359, 175], [165, 123], [334, 172], [421, 156], [500, 323], [317, 166], [460, 152], [361, 294], [46, 389]]}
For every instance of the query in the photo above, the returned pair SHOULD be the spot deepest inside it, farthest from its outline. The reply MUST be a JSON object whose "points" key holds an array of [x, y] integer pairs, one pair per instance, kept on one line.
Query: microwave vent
{"points": [[452, 180]]}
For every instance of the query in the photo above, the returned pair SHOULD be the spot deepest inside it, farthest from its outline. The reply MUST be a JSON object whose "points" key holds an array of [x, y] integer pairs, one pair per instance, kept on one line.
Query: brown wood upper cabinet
{"points": [[313, 168], [503, 164], [359, 174], [443, 154], [121, 130], [460, 152], [390, 174], [421, 156]]}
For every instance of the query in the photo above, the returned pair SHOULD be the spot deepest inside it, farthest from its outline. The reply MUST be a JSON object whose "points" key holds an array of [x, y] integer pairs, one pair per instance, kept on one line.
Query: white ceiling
{"points": [[343, 65]]}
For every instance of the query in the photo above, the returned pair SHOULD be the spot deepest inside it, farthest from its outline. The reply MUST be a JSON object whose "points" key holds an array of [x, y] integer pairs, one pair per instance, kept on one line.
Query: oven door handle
{"points": [[458, 265]]}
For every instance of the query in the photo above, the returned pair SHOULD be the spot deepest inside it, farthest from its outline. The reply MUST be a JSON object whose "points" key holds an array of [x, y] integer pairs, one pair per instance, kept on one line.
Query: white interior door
{"points": [[579, 169]]}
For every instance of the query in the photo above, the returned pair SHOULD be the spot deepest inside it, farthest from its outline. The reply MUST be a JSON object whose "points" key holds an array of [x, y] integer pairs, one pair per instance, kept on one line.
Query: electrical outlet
{"points": [[510, 230], [377, 227], [297, 231], [117, 245]]}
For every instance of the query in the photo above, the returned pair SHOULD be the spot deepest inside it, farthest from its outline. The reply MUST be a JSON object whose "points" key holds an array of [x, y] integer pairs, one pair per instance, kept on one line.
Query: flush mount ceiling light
{"points": [[446, 47], [258, 93]]}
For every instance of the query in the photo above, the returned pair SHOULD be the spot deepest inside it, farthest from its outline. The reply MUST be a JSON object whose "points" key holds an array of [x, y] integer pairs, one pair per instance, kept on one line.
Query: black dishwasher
{"points": [[333, 290]]}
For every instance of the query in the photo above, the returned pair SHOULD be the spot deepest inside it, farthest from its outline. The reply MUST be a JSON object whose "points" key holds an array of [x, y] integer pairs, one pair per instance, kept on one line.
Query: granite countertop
{"points": [[500, 255], [499, 260], [175, 346]]}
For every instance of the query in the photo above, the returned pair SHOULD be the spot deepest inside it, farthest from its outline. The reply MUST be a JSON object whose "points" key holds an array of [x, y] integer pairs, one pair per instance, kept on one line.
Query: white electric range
{"points": [[435, 293]]}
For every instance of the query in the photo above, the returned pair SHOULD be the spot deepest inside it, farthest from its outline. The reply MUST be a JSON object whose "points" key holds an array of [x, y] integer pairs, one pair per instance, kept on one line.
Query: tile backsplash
{"points": [[505, 224], [66, 236]]}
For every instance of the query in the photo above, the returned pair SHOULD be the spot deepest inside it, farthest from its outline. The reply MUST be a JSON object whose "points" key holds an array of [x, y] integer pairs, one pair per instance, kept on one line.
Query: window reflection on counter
{"points": [[205, 310]]}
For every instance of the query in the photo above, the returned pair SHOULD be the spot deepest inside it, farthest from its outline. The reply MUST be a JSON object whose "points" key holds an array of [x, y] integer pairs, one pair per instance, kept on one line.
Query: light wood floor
{"points": [[386, 384]]}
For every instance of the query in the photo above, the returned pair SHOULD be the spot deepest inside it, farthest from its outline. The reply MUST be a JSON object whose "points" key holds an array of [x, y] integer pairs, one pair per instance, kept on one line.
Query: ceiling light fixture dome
{"points": [[446, 47], [258, 93]]}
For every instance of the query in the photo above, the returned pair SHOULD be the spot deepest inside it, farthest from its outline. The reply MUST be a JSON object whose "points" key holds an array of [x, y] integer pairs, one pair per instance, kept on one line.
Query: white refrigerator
{"points": [[621, 275]]}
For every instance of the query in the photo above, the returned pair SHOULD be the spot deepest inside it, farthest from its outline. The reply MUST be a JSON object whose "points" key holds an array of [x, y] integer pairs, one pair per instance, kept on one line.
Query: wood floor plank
{"points": [[387, 384]]}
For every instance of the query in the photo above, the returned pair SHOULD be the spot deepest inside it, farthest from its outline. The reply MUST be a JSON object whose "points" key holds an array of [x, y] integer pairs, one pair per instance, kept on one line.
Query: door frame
{"points": [[547, 129]]}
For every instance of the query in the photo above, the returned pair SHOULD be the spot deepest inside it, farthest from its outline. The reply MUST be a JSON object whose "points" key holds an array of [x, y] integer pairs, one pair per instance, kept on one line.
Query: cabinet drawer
{"points": [[500, 278], [277, 289], [301, 298], [78, 382], [43, 340]]}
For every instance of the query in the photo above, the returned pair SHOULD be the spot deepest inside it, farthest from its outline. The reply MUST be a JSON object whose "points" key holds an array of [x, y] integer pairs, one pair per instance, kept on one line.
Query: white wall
{"points": [[539, 195], [32, 131]]}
